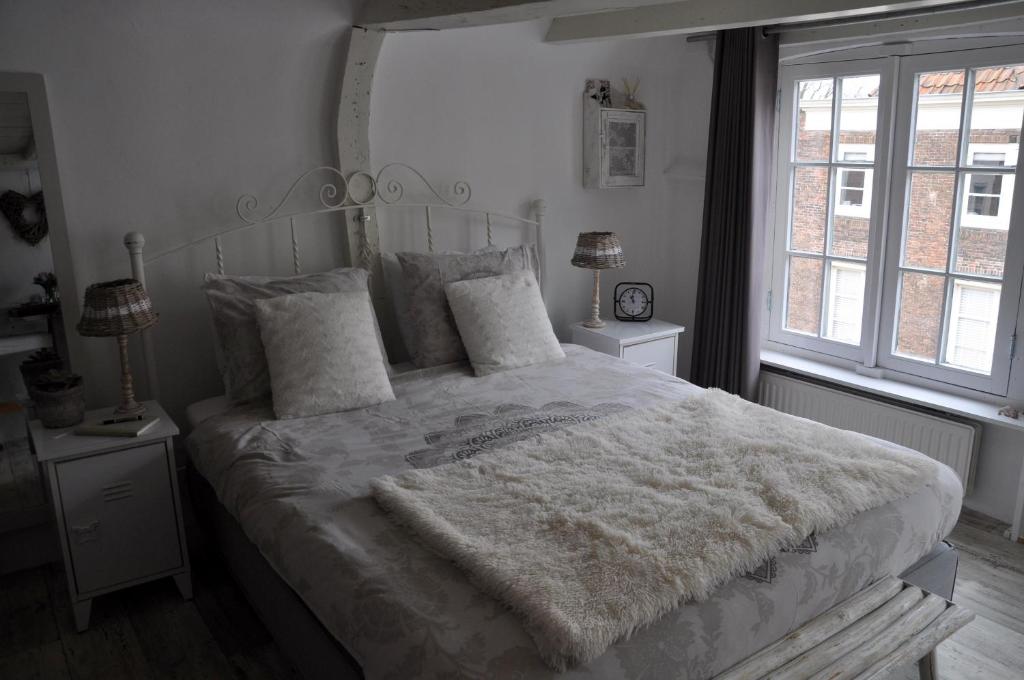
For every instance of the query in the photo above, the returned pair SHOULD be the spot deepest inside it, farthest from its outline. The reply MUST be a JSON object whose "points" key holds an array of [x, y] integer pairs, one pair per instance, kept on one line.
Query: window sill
{"points": [[912, 394]]}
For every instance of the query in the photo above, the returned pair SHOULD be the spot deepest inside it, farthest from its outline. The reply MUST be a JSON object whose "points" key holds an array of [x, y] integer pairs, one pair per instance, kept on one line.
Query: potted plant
{"points": [[59, 398]]}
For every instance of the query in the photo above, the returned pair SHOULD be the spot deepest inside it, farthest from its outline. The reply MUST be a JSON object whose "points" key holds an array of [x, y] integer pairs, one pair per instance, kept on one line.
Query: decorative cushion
{"points": [[321, 353], [391, 268], [503, 322], [430, 333], [239, 348]]}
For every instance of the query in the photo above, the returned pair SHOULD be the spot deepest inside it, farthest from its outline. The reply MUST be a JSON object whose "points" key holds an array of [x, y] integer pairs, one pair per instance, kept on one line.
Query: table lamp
{"points": [[118, 309], [597, 250]]}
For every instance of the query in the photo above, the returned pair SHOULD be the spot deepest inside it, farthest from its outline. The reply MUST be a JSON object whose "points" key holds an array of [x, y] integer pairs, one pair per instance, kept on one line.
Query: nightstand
{"points": [[654, 344], [117, 506]]}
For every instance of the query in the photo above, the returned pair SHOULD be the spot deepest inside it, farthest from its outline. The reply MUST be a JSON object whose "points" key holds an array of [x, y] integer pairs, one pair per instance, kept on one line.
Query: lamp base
{"points": [[131, 410], [593, 323]]}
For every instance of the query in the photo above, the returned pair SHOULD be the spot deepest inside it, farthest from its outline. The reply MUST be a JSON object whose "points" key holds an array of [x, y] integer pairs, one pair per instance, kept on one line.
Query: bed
{"points": [[348, 593]]}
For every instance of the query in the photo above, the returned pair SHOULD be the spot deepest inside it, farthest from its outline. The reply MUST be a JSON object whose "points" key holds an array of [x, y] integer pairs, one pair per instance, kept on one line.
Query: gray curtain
{"points": [[737, 193]]}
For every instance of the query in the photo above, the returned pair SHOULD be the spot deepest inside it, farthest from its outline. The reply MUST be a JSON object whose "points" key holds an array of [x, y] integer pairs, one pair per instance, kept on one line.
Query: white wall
{"points": [[163, 114], [498, 107]]}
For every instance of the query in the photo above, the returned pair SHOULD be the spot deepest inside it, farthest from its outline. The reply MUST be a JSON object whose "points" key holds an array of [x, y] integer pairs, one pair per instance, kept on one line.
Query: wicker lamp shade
{"points": [[119, 307], [598, 250]]}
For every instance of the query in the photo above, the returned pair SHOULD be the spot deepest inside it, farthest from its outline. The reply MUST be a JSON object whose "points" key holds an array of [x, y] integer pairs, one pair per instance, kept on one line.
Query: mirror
{"points": [[36, 289]]}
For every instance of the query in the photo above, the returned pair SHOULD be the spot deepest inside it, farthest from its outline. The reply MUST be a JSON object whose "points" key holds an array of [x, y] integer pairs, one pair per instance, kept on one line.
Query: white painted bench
{"points": [[866, 637]]}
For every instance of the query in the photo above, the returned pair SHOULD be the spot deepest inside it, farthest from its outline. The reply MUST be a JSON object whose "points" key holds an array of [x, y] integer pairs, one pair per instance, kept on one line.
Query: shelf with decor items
{"points": [[117, 506]]}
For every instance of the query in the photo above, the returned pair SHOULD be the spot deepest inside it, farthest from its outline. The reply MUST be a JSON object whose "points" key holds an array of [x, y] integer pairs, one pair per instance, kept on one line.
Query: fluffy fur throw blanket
{"points": [[594, 531]]}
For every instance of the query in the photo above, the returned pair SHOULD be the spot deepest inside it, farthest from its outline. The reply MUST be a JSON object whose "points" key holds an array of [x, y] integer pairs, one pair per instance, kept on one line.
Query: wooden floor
{"points": [[990, 582], [149, 632], [20, 488]]}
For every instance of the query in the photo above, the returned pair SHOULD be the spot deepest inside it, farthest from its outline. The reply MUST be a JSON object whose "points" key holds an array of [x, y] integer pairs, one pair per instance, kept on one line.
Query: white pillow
{"points": [[502, 322], [322, 353]]}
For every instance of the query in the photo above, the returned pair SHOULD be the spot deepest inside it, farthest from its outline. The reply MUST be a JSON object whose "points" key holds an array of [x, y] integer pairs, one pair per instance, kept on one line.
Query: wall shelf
{"points": [[18, 344]]}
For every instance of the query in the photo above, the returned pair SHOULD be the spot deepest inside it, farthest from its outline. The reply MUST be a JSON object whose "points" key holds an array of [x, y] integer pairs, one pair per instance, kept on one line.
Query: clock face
{"points": [[634, 301]]}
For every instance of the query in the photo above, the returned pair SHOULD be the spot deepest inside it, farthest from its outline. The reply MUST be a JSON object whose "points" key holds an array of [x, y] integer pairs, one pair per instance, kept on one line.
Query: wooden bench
{"points": [[883, 627]]}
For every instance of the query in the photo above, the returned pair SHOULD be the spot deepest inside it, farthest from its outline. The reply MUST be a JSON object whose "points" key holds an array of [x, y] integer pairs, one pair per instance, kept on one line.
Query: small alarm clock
{"points": [[634, 301]]}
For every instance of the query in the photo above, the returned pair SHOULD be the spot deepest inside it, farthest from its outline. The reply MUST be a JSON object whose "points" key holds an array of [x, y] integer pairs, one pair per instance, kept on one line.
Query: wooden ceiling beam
{"points": [[701, 16], [425, 15]]}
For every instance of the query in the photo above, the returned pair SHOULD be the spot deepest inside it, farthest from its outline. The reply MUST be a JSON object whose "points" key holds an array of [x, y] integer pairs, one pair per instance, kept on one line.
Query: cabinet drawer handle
{"points": [[87, 532], [118, 491]]}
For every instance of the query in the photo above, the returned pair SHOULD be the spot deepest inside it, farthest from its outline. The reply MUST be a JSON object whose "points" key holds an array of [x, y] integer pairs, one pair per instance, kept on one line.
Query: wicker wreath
{"points": [[13, 204]]}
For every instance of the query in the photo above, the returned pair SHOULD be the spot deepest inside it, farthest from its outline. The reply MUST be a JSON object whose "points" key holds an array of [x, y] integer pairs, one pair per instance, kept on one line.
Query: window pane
{"points": [[851, 223], [974, 313], [845, 302], [814, 120], [929, 216], [920, 315], [996, 109], [984, 224], [980, 251], [937, 124], [803, 295], [858, 117], [810, 209]]}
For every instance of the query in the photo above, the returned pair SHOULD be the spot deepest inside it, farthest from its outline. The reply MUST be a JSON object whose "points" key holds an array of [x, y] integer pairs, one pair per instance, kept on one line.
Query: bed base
{"points": [[314, 652], [868, 636], [863, 625]]}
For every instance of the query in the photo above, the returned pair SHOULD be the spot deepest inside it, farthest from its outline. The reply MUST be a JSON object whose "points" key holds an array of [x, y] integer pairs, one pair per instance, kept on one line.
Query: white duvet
{"points": [[301, 491]]}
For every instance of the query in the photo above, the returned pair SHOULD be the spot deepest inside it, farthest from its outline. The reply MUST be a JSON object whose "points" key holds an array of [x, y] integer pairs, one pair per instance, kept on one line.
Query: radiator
{"points": [[946, 439]]}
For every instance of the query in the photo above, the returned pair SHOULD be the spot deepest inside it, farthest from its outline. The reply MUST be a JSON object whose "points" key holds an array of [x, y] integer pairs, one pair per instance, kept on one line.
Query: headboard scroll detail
{"points": [[361, 193], [383, 188]]}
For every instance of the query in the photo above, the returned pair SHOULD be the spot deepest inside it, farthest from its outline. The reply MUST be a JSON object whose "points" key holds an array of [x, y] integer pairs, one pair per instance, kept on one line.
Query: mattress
{"points": [[300, 491]]}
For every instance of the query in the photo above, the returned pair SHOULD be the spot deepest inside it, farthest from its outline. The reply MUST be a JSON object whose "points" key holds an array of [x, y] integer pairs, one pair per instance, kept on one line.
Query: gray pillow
{"points": [[239, 348], [430, 333], [322, 353], [503, 322]]}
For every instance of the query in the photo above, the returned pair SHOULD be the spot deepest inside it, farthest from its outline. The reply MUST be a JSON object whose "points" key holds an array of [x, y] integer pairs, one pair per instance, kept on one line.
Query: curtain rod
{"points": [[903, 14]]}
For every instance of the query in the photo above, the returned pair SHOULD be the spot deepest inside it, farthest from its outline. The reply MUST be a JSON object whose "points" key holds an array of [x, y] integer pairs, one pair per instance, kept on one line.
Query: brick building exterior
{"points": [[981, 240]]}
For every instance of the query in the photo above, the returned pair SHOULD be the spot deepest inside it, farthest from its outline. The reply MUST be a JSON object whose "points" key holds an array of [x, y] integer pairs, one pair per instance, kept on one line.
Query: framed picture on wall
{"points": [[613, 149]]}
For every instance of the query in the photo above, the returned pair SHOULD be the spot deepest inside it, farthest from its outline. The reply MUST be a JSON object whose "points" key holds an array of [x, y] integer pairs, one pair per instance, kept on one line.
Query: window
{"points": [[972, 325], [853, 193], [988, 196], [828, 206], [845, 301], [940, 196]]}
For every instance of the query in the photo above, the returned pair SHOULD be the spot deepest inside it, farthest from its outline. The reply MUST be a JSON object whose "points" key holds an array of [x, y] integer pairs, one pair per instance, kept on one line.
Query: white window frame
{"points": [[886, 212], [997, 380], [786, 157]]}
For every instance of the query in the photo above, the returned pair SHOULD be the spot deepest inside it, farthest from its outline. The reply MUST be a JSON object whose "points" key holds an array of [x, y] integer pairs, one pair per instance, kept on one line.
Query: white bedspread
{"points": [[596, 530], [300, 490]]}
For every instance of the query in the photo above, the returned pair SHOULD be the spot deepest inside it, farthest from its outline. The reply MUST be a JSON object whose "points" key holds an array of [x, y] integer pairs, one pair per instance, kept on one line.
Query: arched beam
{"points": [[354, 127]]}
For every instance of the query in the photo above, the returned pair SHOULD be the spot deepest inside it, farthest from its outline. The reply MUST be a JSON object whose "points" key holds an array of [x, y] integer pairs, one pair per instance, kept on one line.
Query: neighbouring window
{"points": [[853, 191], [972, 324], [895, 210]]}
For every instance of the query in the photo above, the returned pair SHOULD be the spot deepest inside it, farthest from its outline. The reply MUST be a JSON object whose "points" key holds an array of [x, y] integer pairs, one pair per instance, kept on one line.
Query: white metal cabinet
{"points": [[653, 344], [119, 514], [117, 507]]}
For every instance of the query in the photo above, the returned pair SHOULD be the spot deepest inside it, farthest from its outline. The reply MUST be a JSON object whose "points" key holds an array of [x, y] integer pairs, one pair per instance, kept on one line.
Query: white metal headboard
{"points": [[361, 193]]}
